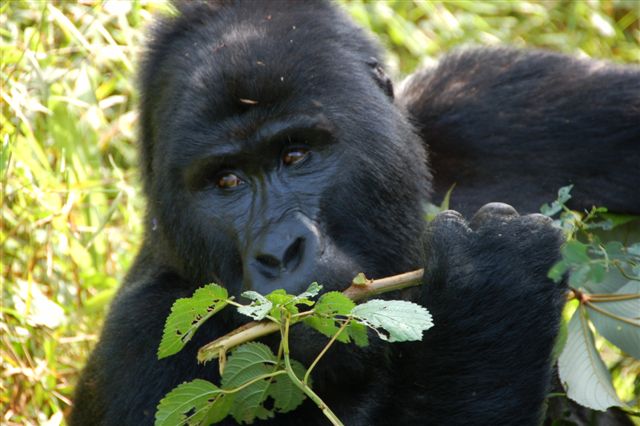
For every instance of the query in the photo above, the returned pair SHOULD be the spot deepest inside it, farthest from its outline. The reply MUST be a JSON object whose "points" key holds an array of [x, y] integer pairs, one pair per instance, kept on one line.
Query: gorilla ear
{"points": [[381, 77]]}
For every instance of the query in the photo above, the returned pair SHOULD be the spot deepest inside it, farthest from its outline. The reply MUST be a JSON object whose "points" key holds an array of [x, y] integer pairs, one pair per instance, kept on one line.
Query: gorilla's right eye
{"points": [[228, 180]]}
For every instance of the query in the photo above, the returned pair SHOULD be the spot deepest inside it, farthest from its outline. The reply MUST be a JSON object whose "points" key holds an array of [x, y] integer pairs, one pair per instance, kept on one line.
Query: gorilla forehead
{"points": [[263, 53]]}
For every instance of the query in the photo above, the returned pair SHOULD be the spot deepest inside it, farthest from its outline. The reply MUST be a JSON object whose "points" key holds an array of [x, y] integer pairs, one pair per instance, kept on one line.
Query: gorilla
{"points": [[275, 152]]}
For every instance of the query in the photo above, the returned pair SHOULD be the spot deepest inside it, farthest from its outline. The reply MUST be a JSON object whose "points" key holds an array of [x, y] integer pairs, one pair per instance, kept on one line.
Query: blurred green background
{"points": [[71, 201]]}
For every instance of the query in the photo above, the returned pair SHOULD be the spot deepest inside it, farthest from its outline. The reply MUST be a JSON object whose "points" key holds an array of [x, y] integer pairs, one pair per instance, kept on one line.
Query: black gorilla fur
{"points": [[232, 91]]}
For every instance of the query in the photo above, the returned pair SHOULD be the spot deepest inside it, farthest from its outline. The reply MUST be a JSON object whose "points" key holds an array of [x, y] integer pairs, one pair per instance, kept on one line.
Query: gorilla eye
{"points": [[228, 180], [294, 156]]}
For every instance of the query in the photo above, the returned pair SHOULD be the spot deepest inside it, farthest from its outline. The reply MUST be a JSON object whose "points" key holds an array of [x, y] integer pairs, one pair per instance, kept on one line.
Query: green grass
{"points": [[72, 207]]}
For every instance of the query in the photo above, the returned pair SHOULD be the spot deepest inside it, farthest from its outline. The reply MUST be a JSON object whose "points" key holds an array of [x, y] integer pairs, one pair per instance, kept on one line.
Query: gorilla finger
{"points": [[448, 228], [492, 213], [537, 219], [541, 226]]}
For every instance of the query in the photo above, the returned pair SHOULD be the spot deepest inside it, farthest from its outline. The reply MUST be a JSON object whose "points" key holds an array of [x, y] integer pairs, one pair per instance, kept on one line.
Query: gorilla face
{"points": [[254, 154]]}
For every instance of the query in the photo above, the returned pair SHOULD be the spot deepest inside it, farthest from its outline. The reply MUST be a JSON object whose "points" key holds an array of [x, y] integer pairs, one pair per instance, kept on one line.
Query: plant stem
{"points": [[254, 380], [384, 285], [256, 329], [324, 351], [597, 298], [284, 330]]}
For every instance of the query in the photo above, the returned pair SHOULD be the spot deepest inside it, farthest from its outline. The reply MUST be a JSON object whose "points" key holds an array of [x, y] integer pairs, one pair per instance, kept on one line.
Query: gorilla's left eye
{"points": [[294, 155]]}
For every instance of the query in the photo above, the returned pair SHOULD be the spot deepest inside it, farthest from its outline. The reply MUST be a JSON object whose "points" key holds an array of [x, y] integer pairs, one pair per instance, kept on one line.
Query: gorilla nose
{"points": [[282, 256], [278, 256]]}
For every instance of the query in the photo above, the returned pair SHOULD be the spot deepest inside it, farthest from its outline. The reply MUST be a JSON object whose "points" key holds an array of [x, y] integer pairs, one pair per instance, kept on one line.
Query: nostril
{"points": [[293, 254], [268, 260]]}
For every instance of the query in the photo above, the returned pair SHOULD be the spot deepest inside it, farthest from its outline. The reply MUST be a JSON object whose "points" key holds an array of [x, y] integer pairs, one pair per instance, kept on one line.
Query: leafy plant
{"points": [[253, 374], [604, 277]]}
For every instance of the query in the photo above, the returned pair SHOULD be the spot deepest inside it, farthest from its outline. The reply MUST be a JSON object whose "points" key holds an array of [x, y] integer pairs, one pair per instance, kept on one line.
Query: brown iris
{"points": [[228, 180], [294, 156]]}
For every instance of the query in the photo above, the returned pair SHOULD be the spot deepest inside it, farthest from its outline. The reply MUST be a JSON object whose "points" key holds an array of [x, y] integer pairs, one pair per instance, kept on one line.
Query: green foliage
{"points": [[581, 369], [260, 305], [564, 195], [331, 310], [253, 373], [254, 360], [604, 275], [415, 31], [395, 321], [187, 315], [619, 320], [205, 401]]}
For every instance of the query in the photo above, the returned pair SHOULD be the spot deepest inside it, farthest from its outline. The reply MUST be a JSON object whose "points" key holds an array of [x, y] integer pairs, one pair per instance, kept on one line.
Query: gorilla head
{"points": [[263, 165]]}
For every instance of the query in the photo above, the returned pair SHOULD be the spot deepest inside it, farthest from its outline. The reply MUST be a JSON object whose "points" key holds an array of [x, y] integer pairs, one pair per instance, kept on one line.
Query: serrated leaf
{"points": [[245, 364], [557, 271], [623, 333], [401, 320], [574, 252], [312, 291], [187, 314], [286, 395], [578, 276], [201, 399], [259, 307], [582, 372], [358, 333], [614, 249], [281, 298], [563, 196], [219, 410], [612, 281], [561, 340], [329, 306], [334, 303]]}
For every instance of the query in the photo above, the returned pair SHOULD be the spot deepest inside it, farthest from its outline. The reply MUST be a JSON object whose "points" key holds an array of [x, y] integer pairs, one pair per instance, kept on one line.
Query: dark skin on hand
{"points": [[274, 153]]}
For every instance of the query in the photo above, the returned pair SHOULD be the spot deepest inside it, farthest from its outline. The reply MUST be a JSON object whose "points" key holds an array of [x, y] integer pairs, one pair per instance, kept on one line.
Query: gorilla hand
{"points": [[496, 313]]}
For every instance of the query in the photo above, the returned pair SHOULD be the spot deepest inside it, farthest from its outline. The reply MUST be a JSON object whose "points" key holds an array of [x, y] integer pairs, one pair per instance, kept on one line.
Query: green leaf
{"points": [[401, 320], [286, 395], [329, 306], [334, 303], [203, 399], [557, 271], [358, 333], [561, 340], [617, 219], [614, 249], [246, 363], [575, 252], [579, 275], [612, 281], [582, 372], [597, 272], [259, 307], [219, 409], [187, 314], [312, 291], [624, 332], [280, 298], [564, 195]]}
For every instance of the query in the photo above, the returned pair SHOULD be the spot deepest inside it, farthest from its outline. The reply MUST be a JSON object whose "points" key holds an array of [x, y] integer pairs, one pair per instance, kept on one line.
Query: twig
{"points": [[255, 329], [356, 292], [303, 385]]}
